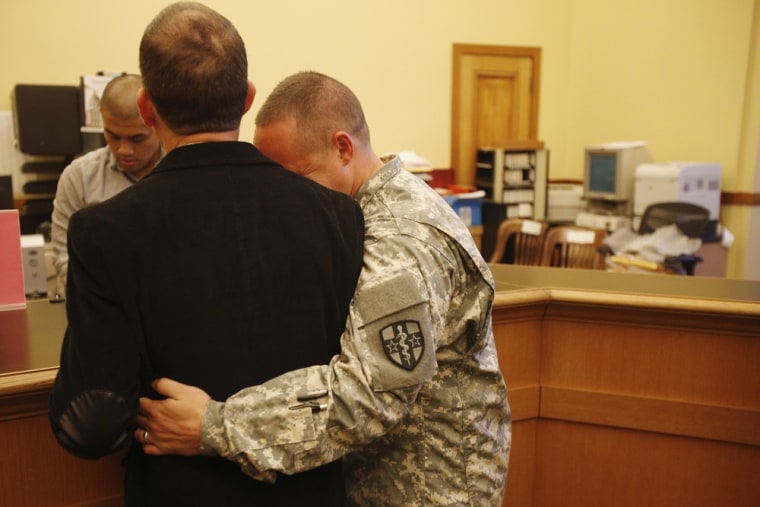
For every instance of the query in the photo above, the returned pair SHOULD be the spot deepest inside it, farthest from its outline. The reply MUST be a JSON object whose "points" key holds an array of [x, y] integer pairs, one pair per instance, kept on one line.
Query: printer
{"points": [[694, 182]]}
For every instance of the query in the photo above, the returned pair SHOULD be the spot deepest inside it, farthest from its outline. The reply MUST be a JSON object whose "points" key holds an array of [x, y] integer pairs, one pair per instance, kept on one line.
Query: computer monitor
{"points": [[609, 171]]}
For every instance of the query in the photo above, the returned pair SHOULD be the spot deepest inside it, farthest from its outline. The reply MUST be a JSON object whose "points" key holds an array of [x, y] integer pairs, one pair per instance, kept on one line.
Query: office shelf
{"points": [[516, 178]]}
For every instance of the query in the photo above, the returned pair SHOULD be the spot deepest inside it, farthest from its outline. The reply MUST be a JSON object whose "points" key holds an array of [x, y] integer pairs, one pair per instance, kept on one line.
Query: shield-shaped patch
{"points": [[403, 343]]}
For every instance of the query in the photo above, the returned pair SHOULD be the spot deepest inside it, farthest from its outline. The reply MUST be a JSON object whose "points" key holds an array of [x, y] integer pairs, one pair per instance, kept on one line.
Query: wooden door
{"points": [[494, 102]]}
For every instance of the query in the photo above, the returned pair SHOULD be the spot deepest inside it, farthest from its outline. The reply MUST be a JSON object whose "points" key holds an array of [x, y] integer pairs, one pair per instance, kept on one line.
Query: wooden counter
{"points": [[625, 390], [630, 389]]}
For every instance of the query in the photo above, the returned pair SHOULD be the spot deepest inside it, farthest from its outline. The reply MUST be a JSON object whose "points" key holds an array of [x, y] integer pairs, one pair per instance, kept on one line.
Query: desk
{"points": [[714, 259], [625, 389]]}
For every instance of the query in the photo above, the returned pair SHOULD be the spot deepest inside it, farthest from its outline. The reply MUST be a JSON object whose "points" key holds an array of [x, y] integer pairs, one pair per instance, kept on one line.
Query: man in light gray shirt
{"points": [[132, 151]]}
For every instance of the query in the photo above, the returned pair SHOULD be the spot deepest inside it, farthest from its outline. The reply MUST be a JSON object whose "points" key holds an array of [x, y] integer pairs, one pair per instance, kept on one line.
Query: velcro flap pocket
{"points": [[395, 321]]}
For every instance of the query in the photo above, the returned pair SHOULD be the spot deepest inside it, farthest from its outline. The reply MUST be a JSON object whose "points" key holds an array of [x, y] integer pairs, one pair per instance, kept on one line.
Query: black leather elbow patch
{"points": [[94, 424]]}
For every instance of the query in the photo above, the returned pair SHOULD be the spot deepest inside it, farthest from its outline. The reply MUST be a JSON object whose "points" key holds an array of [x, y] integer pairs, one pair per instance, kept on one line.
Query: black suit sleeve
{"points": [[95, 396]]}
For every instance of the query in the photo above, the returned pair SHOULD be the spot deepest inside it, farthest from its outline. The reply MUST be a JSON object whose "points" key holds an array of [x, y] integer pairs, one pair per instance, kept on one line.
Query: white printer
{"points": [[693, 182], [34, 264]]}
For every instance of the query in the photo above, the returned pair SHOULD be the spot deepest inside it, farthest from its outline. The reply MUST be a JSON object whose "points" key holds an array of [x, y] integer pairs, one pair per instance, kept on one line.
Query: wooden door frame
{"points": [[461, 50]]}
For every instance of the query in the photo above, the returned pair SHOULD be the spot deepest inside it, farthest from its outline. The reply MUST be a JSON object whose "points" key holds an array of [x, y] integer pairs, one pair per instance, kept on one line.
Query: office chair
{"points": [[690, 218], [525, 237], [573, 247]]}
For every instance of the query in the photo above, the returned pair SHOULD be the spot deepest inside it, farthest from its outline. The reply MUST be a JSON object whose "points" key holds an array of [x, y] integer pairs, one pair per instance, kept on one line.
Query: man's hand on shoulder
{"points": [[172, 425]]}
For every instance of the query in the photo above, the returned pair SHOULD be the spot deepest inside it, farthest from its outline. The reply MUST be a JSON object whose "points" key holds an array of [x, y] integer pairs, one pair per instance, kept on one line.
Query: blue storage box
{"points": [[468, 206]]}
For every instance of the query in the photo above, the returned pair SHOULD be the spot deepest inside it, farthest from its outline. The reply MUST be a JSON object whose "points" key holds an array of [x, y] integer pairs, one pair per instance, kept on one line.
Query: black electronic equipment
{"points": [[47, 119], [6, 192]]}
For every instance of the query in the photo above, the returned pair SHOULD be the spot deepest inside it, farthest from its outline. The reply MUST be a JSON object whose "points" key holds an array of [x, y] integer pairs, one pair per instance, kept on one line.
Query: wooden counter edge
{"points": [[588, 296], [715, 306], [25, 394]]}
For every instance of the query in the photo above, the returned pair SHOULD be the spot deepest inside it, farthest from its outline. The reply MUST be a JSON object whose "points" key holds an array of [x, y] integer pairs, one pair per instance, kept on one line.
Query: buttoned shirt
{"points": [[90, 179]]}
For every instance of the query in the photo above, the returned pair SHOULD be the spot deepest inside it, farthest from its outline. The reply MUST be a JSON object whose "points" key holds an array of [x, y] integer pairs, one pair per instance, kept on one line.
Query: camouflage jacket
{"points": [[415, 403]]}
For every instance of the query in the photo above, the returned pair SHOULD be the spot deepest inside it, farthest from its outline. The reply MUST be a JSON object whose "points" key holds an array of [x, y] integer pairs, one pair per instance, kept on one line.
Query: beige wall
{"points": [[672, 72], [395, 54], [745, 257]]}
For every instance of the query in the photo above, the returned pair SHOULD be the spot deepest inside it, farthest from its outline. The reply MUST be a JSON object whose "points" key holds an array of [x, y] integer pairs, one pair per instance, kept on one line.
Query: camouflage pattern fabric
{"points": [[415, 404]]}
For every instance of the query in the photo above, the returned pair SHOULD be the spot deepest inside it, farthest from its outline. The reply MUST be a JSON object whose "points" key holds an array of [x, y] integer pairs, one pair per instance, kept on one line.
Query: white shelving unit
{"points": [[515, 177]]}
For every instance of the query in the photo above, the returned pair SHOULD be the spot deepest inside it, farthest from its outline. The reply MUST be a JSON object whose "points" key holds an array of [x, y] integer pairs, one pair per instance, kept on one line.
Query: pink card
{"points": [[11, 269]]}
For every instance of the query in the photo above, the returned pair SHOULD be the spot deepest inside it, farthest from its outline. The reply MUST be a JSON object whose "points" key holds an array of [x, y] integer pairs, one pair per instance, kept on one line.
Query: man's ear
{"points": [[249, 97], [345, 145], [147, 110]]}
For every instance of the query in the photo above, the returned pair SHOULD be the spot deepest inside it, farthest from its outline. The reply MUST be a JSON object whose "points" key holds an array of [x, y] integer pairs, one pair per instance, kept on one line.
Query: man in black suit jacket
{"points": [[218, 242]]}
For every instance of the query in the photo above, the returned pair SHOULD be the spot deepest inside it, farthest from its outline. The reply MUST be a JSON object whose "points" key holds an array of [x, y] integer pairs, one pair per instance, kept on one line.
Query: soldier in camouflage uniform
{"points": [[415, 403]]}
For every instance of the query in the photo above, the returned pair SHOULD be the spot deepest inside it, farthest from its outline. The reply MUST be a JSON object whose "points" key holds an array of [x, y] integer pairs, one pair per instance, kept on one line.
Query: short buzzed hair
{"points": [[320, 105], [195, 69], [120, 97]]}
